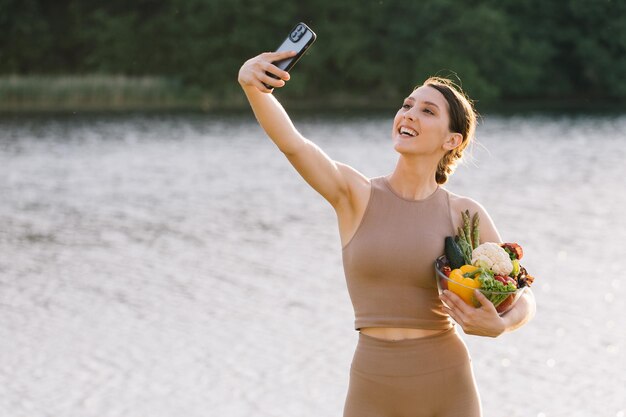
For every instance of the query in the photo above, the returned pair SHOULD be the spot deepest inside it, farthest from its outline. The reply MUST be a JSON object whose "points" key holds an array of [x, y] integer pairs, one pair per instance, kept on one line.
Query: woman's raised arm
{"points": [[326, 176]]}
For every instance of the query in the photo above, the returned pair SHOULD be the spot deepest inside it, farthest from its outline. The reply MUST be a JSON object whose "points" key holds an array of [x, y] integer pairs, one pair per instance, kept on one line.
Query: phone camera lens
{"points": [[297, 33]]}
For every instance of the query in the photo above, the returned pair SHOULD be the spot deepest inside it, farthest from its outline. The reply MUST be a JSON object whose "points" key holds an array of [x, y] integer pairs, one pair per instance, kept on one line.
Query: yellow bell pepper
{"points": [[462, 286]]}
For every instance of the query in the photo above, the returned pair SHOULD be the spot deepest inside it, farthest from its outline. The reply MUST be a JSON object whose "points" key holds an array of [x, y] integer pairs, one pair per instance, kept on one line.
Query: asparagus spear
{"points": [[461, 234], [475, 231], [467, 227]]}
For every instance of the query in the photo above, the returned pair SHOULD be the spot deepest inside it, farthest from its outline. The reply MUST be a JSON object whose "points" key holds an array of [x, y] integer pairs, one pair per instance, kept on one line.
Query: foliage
{"points": [[500, 49], [93, 92]]}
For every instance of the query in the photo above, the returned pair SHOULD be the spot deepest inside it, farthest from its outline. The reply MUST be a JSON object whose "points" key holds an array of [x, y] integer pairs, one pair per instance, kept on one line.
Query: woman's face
{"points": [[421, 124]]}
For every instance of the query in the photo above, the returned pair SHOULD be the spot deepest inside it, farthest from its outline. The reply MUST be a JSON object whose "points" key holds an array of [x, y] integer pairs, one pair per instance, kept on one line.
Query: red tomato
{"points": [[501, 279], [512, 281]]}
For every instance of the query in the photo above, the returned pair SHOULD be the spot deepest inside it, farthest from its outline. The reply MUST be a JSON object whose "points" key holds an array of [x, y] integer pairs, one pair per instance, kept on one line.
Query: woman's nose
{"points": [[409, 115]]}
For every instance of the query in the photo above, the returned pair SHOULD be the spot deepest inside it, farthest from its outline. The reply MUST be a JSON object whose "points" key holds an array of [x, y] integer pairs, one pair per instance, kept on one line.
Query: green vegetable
{"points": [[483, 273], [454, 253], [515, 270], [466, 234], [475, 231], [461, 234], [489, 286], [466, 249], [511, 254], [467, 227]]}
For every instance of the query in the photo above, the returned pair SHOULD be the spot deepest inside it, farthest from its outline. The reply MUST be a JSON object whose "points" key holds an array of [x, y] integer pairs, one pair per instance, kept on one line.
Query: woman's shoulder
{"points": [[460, 203]]}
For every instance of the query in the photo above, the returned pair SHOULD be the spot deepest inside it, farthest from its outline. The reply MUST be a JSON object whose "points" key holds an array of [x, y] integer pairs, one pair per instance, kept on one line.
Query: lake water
{"points": [[177, 265]]}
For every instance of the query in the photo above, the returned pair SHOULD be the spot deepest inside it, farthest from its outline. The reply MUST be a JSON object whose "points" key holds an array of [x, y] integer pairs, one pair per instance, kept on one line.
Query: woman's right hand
{"points": [[252, 72]]}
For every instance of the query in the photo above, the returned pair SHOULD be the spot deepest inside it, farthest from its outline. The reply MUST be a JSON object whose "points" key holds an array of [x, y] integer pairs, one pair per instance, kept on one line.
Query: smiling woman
{"points": [[409, 352]]}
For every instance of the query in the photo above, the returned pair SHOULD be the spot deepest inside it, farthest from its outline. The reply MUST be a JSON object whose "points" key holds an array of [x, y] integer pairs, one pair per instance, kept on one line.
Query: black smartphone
{"points": [[299, 40]]}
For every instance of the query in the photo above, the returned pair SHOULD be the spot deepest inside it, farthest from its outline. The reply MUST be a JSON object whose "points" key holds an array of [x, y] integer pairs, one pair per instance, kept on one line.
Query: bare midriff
{"points": [[397, 333]]}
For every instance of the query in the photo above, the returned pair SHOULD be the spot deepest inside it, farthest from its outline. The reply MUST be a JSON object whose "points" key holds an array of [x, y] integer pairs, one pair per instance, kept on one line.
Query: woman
{"points": [[409, 360]]}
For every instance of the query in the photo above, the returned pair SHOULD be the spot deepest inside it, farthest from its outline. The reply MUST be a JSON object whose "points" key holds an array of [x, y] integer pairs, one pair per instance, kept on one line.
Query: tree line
{"points": [[499, 49]]}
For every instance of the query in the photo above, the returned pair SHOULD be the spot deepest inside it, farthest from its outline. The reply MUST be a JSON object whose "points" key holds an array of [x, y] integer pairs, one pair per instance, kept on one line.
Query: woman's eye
{"points": [[428, 111], [406, 106]]}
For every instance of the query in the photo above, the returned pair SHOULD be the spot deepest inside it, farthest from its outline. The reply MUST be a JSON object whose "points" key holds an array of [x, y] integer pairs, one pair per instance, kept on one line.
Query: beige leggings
{"points": [[425, 377]]}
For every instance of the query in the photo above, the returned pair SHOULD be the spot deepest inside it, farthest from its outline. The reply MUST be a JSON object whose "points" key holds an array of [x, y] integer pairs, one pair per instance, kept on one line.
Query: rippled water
{"points": [[177, 265]]}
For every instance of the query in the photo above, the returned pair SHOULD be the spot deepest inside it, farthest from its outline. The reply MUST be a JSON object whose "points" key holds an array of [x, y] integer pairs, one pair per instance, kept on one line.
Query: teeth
{"points": [[408, 131]]}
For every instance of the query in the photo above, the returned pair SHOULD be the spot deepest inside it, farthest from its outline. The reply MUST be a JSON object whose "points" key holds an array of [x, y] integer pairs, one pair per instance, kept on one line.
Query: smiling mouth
{"points": [[407, 132]]}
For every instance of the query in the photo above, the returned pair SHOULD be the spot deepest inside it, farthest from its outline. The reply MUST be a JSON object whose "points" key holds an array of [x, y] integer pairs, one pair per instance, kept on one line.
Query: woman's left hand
{"points": [[481, 321]]}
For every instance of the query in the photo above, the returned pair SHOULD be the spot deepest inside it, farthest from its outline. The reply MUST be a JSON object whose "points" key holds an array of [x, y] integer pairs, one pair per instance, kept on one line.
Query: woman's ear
{"points": [[454, 140]]}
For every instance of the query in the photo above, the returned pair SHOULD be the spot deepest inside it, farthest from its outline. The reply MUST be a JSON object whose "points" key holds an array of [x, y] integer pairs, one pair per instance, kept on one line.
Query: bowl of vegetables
{"points": [[492, 268], [502, 296]]}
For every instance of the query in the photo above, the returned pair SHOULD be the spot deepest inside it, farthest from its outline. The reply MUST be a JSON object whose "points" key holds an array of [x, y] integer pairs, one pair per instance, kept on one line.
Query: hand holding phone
{"points": [[299, 39]]}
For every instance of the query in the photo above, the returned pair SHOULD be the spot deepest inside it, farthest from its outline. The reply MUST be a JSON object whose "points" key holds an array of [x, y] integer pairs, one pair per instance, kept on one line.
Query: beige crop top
{"points": [[389, 262]]}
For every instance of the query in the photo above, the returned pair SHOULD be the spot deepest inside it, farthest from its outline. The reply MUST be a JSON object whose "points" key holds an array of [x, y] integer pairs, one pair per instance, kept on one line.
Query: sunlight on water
{"points": [[177, 265]]}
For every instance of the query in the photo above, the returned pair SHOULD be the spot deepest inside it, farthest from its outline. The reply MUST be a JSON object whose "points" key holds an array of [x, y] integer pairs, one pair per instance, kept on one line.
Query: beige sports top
{"points": [[389, 262]]}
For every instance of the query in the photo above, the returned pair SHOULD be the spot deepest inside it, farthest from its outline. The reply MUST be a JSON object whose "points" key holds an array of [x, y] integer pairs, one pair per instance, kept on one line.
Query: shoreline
{"points": [[118, 94]]}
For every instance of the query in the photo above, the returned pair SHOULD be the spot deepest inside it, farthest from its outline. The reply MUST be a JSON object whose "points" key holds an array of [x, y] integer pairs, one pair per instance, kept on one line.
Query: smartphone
{"points": [[299, 40]]}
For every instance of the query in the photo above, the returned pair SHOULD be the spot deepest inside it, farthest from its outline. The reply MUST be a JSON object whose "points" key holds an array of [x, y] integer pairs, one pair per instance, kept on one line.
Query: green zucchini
{"points": [[454, 253]]}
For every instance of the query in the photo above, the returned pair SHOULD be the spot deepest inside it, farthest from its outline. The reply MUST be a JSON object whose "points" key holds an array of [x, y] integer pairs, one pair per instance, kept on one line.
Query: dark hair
{"points": [[462, 120]]}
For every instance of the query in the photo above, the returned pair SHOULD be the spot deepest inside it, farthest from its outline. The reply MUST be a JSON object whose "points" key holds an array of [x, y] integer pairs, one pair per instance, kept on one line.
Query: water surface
{"points": [[177, 265]]}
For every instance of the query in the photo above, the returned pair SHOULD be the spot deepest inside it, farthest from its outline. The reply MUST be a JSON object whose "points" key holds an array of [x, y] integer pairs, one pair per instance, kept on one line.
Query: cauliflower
{"points": [[491, 255]]}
